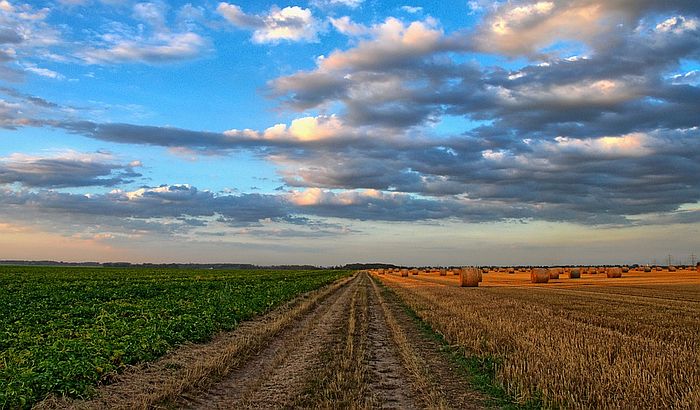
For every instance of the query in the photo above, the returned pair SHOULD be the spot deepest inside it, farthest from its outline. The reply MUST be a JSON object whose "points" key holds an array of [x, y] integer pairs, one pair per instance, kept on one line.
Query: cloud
{"points": [[164, 48], [333, 3], [43, 72], [346, 26], [375, 80], [601, 132], [152, 41], [527, 27], [65, 170], [412, 9], [290, 23], [9, 36]]}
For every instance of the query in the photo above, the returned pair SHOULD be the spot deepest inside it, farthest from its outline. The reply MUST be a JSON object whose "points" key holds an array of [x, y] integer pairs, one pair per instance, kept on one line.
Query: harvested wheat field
{"points": [[593, 342]]}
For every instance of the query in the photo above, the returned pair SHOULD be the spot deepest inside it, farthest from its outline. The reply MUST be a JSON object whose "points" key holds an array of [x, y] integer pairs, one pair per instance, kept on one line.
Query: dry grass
{"points": [[634, 344], [345, 378], [413, 362]]}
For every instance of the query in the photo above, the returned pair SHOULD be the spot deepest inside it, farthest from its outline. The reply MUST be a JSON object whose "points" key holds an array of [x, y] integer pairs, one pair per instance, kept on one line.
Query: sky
{"points": [[337, 131]]}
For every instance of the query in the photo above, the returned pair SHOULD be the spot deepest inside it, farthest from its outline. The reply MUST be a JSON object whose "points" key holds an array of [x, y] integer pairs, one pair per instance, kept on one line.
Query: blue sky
{"points": [[334, 131]]}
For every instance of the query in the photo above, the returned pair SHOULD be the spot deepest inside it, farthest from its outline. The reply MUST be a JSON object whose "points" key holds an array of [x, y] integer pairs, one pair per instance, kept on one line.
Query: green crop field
{"points": [[63, 330]]}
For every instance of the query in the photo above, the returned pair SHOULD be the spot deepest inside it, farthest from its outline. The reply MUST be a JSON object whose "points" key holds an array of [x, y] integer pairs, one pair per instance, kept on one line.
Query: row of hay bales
{"points": [[468, 276], [543, 275], [471, 276]]}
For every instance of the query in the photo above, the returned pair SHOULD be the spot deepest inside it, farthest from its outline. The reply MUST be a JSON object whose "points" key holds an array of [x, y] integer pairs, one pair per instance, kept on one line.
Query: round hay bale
{"points": [[614, 272], [539, 275], [554, 273], [469, 277], [511, 271], [380, 271], [625, 269], [404, 273], [574, 274], [671, 268], [443, 272], [414, 271], [647, 269]]}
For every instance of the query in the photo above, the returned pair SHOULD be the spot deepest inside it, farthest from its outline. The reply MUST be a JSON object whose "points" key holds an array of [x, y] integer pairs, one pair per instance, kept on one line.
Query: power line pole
{"points": [[669, 260]]}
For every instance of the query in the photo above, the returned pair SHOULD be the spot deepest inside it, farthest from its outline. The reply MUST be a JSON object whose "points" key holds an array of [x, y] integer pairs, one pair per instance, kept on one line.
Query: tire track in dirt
{"points": [[389, 381]]}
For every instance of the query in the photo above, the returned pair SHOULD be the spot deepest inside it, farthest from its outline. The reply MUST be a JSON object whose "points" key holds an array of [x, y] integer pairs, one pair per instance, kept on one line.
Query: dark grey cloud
{"points": [[9, 36], [72, 170], [167, 209]]}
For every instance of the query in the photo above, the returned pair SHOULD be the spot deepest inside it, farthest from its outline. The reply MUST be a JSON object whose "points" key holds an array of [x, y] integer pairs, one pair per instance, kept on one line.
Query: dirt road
{"points": [[350, 345], [356, 349]]}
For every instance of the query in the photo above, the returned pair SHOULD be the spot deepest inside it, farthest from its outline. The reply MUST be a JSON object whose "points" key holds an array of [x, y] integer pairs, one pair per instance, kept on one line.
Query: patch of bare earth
{"points": [[350, 345]]}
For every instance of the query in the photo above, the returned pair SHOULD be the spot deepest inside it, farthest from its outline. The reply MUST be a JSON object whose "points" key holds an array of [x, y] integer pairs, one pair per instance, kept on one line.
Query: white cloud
{"points": [[152, 13], [412, 9], [290, 23], [44, 72], [331, 3], [392, 40], [302, 129], [346, 26], [162, 48], [678, 25], [317, 196], [629, 145]]}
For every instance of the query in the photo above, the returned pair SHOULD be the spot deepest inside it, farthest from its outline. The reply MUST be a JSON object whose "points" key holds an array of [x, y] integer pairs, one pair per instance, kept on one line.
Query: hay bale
{"points": [[539, 275], [380, 271], [554, 273], [647, 269], [671, 268], [443, 272], [574, 274], [511, 271], [404, 273], [414, 271], [614, 272], [469, 277], [625, 269]]}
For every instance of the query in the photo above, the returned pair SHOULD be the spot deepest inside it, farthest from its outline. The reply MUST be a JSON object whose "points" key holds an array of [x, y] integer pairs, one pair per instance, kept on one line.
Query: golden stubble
{"points": [[594, 342]]}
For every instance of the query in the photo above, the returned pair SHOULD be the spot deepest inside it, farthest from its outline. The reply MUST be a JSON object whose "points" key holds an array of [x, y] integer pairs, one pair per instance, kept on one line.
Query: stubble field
{"points": [[594, 342]]}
